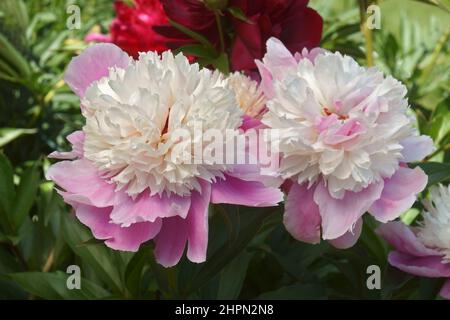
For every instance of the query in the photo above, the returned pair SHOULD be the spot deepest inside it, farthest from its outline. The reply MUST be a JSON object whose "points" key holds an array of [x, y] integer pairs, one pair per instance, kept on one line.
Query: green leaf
{"points": [[133, 272], [54, 286], [194, 35], [10, 134], [198, 50], [222, 63], [295, 292], [99, 258], [7, 192], [437, 172], [26, 193], [233, 276], [239, 14], [409, 216], [14, 58]]}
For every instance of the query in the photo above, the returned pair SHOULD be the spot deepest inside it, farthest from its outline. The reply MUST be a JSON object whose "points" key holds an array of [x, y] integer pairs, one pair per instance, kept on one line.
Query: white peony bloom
{"points": [[339, 121], [134, 117], [435, 229]]}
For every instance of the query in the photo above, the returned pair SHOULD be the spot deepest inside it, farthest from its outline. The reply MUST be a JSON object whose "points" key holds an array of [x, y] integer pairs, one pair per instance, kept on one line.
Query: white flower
{"points": [[133, 114], [435, 229], [339, 121], [249, 95]]}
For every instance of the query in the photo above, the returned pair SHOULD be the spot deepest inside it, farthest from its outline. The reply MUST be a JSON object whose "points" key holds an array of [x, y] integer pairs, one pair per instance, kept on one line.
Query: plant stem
{"points": [[220, 29], [367, 32], [439, 150]]}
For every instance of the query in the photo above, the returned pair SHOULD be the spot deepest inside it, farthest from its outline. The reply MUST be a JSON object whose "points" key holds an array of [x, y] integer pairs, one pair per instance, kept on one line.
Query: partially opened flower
{"points": [[345, 140], [424, 250], [133, 176]]}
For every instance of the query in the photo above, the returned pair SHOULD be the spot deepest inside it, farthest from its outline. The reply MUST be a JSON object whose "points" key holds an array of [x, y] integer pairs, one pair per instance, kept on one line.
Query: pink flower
{"points": [[123, 176], [132, 29], [424, 250], [345, 140]]}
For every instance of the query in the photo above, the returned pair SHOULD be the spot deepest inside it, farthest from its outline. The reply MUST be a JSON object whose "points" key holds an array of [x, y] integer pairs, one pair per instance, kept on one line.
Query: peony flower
{"points": [[345, 140], [424, 250], [296, 25], [127, 177], [132, 29]]}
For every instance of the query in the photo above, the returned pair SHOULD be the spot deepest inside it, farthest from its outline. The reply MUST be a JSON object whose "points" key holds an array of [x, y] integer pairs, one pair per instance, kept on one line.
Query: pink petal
{"points": [[149, 208], [232, 190], [197, 224], [250, 123], [403, 239], [266, 79], [117, 237], [278, 56], [339, 215], [98, 37], [399, 193], [349, 238], [170, 241], [301, 216], [76, 139], [93, 64], [416, 148], [431, 266], [82, 184], [445, 291]]}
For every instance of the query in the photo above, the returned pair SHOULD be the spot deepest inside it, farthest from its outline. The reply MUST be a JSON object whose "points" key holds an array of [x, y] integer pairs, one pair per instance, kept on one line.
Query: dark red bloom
{"points": [[132, 29], [291, 21]]}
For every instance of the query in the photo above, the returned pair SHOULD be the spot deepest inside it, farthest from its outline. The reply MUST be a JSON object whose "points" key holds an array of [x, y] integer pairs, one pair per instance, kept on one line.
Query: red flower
{"points": [[132, 29], [291, 21]]}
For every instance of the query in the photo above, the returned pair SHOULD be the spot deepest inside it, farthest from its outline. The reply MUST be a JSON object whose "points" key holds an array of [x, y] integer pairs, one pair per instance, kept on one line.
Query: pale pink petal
{"points": [[349, 238], [415, 148], [82, 184], [309, 54], [399, 193], [266, 84], [197, 224], [117, 237], [339, 215], [170, 241], [278, 56], [93, 64], [301, 216], [445, 290], [232, 190], [403, 239], [76, 139], [148, 208], [431, 266]]}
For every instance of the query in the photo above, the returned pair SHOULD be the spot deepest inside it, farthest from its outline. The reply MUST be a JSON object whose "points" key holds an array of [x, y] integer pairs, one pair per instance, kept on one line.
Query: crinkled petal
{"points": [[197, 223], [170, 241], [431, 266], [399, 193], [82, 184], [232, 190], [403, 239], [148, 207], [93, 64], [301, 216], [117, 237], [76, 139], [339, 215], [415, 148], [349, 238]]}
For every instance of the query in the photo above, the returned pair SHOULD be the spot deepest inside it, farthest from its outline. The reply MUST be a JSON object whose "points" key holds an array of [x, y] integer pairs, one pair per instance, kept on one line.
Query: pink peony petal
{"points": [[170, 241], [349, 238], [431, 266], [117, 237], [149, 208], [445, 291], [232, 190], [403, 239], [399, 193], [416, 148], [301, 216], [266, 80], [93, 64], [339, 215], [76, 139], [197, 224], [82, 184]]}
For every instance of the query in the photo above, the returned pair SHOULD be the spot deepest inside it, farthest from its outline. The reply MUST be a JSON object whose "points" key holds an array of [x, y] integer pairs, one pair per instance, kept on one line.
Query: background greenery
{"points": [[250, 254]]}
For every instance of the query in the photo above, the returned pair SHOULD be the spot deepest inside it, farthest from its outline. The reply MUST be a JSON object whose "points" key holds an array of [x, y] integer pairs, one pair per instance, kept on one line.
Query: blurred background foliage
{"points": [[250, 254]]}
